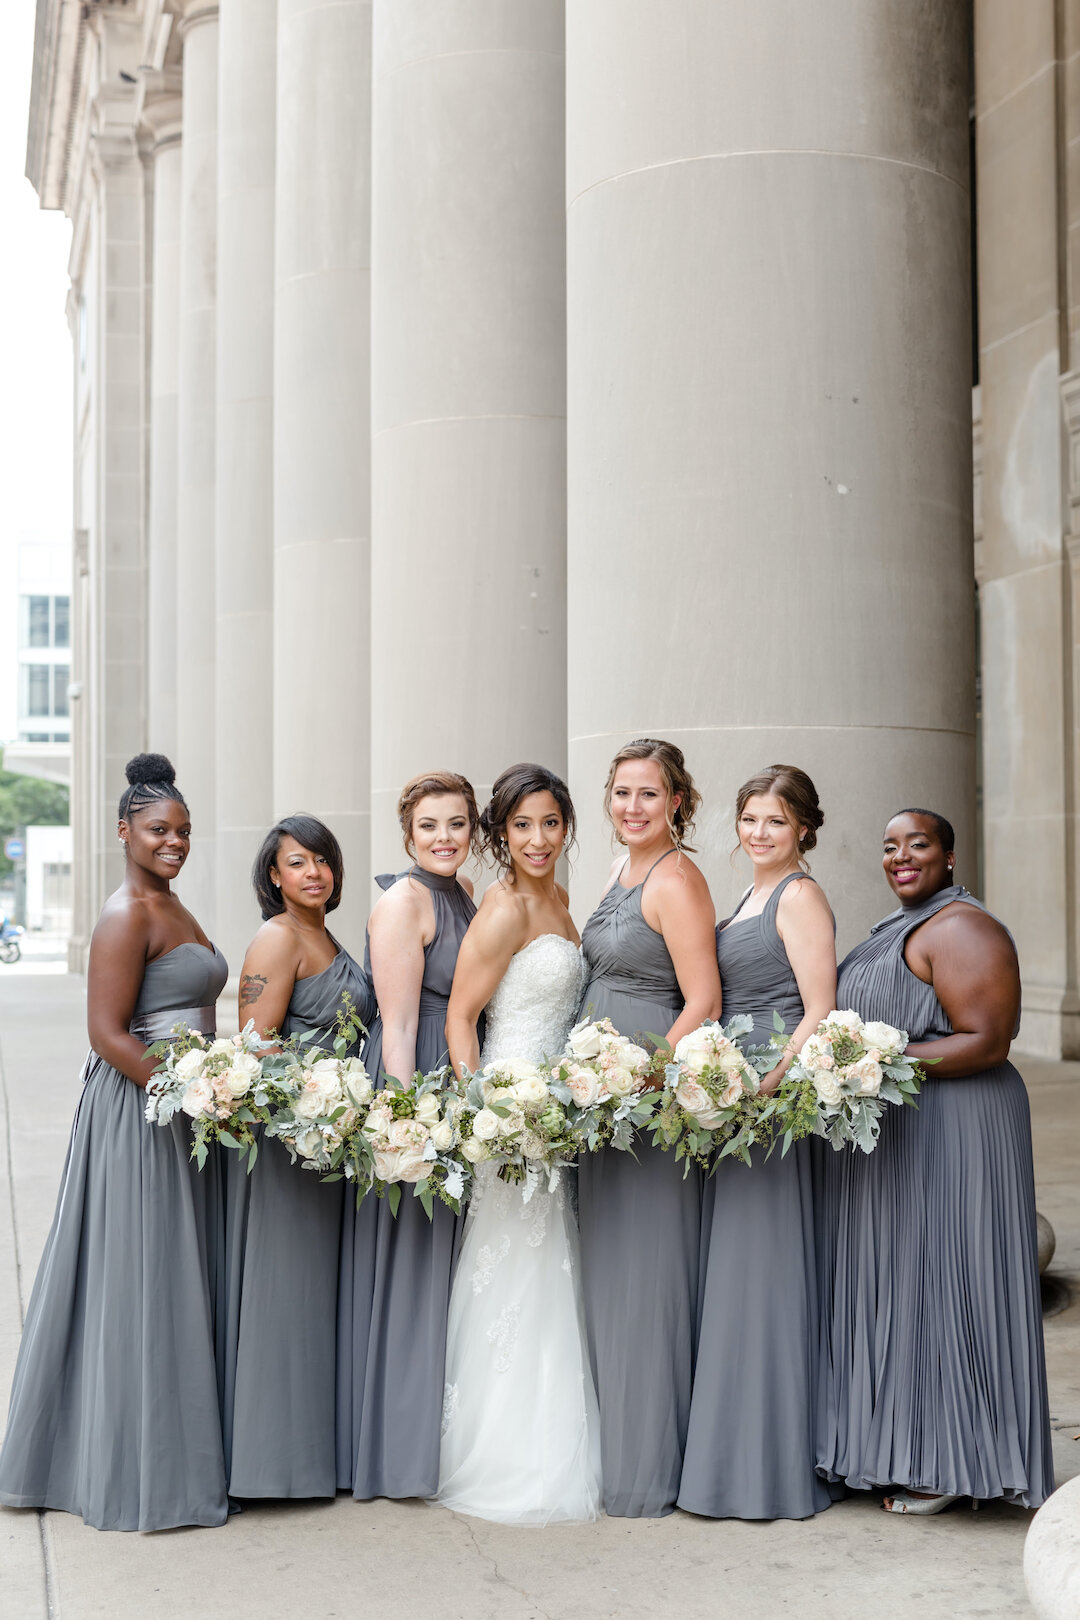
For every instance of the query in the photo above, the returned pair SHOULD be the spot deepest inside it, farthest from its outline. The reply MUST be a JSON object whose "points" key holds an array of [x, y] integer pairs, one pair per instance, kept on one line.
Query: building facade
{"points": [[463, 382], [42, 742]]}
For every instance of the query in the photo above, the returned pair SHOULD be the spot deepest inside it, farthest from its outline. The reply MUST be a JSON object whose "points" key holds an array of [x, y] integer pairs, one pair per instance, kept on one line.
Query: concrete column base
{"points": [[1052, 1556]]}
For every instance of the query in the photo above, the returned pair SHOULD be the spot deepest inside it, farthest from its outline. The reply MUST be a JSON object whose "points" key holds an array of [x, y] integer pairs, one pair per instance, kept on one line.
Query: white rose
{"points": [[191, 1063], [531, 1092], [409, 1133], [583, 1085], [883, 1036], [630, 1056], [696, 1049], [619, 1081], [357, 1082], [443, 1135], [532, 1145], [427, 1109], [326, 1071], [864, 1076], [485, 1125], [827, 1087], [237, 1083], [385, 1164], [691, 1095], [509, 1124], [849, 1020], [309, 1143], [475, 1150], [412, 1165], [221, 1048], [198, 1098], [318, 1094], [585, 1040]]}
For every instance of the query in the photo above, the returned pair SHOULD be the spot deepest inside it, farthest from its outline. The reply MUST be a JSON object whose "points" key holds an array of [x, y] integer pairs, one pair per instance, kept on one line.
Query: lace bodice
{"points": [[535, 1002]]}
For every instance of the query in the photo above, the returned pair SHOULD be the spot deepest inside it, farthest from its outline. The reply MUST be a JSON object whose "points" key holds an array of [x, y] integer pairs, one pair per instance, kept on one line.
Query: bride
{"points": [[521, 1436]]}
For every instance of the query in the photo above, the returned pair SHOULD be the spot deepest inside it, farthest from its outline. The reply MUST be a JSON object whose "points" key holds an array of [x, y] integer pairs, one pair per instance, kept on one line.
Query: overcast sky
{"points": [[35, 350]]}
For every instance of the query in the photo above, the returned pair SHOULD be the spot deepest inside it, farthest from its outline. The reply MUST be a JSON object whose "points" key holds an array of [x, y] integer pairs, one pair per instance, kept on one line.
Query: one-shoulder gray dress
{"points": [[640, 1234], [750, 1450], [934, 1375], [394, 1292], [283, 1226], [114, 1407]]}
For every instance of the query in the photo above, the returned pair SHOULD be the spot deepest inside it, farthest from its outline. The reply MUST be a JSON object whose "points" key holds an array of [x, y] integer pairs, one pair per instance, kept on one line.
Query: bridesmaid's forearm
{"points": [[463, 1046], [961, 1055]]}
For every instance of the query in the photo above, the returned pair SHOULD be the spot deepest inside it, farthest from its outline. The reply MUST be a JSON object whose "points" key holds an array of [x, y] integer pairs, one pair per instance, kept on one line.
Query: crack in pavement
{"points": [[489, 1558]]}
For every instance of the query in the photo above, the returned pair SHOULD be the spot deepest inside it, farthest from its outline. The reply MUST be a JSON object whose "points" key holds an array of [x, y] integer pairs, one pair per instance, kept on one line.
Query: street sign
{"points": [[14, 848]]}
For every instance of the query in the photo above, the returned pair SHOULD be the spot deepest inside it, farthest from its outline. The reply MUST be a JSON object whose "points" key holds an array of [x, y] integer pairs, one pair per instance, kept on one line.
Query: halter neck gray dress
{"points": [[750, 1451], [394, 1291], [933, 1368], [283, 1227], [640, 1225], [114, 1407]]}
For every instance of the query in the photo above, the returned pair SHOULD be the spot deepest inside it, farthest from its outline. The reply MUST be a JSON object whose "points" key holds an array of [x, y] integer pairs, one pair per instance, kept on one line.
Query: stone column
{"points": [[245, 452], [468, 395], [1025, 253], [161, 115], [321, 428], [770, 528], [195, 503]]}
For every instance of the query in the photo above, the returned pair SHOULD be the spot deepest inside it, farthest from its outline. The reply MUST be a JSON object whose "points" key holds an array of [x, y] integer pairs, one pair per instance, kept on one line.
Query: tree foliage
{"points": [[28, 801]]}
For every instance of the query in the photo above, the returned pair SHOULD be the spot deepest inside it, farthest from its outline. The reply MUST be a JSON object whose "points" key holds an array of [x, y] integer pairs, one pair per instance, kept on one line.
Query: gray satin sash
{"points": [[158, 1026]]}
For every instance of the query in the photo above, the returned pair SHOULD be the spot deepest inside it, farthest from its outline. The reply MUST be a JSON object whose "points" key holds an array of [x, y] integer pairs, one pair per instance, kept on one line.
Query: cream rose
{"points": [[427, 1109], [475, 1150], [882, 1036], [530, 1092], [848, 1020], [619, 1081], [443, 1136], [408, 1133], [357, 1082], [732, 1091], [198, 1097], [696, 1049], [318, 1094], [236, 1081], [691, 1095], [583, 1085], [378, 1122], [191, 1063], [585, 1040], [309, 1143], [221, 1048], [485, 1125], [864, 1076], [532, 1145], [827, 1087], [511, 1123]]}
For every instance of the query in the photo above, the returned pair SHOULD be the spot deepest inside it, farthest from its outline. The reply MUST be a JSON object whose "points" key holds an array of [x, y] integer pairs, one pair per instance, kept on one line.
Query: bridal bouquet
{"points": [[410, 1135], [515, 1114], [218, 1084], [712, 1098], [316, 1100], [609, 1083], [845, 1074]]}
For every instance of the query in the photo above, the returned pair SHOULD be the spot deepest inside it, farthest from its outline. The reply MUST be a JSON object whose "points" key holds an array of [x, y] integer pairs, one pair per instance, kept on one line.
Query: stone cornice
{"points": [[159, 106], [59, 41], [193, 13]]}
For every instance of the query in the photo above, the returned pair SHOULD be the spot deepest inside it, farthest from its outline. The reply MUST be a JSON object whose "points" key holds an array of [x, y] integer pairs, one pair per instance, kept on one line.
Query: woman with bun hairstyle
{"points": [[283, 1224], [114, 1406], [650, 963], [395, 1270], [753, 1457], [934, 1382]]}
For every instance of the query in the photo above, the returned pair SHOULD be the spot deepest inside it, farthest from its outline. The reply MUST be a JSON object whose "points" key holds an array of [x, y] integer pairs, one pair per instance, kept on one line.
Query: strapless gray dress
{"points": [[394, 1291], [933, 1371], [114, 1408], [283, 1228], [750, 1450], [640, 1235]]}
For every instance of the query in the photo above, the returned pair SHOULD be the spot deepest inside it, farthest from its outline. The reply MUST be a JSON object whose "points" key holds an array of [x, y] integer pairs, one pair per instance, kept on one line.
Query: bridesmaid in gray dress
{"points": [[394, 1290], [750, 1451], [934, 1377], [650, 963], [114, 1410], [283, 1223]]}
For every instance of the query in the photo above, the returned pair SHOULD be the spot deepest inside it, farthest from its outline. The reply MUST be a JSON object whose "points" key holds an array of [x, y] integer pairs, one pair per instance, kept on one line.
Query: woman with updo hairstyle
{"points": [[280, 1222], [934, 1382], [114, 1405], [395, 1271], [650, 963], [755, 1457]]}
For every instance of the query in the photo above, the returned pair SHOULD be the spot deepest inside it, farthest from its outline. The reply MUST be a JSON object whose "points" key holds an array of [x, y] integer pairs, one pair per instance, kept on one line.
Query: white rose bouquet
{"points": [[220, 1085], [317, 1099], [410, 1135], [514, 1113], [839, 1083], [712, 1106], [607, 1083]]}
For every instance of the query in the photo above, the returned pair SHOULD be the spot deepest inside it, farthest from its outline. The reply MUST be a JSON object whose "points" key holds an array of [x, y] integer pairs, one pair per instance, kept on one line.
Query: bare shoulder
{"points": [[563, 894], [680, 876], [123, 920], [467, 884], [804, 902], [400, 899], [961, 925], [275, 946], [502, 919]]}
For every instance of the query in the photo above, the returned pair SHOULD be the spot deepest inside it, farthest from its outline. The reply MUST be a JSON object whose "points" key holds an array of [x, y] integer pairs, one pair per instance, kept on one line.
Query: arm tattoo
{"points": [[252, 986]]}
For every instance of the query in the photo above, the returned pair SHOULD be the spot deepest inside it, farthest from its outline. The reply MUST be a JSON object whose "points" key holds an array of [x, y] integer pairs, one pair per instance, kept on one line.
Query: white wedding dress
{"points": [[521, 1426]]}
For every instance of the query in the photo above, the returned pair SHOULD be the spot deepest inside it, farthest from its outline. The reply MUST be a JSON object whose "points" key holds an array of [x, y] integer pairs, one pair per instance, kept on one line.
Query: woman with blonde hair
{"points": [[650, 960]]}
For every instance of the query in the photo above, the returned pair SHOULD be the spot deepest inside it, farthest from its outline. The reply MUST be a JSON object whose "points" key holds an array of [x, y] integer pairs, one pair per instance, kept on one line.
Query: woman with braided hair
{"points": [[114, 1406]]}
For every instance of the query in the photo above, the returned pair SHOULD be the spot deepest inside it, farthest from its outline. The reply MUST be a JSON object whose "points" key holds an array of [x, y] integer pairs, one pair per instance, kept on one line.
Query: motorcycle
{"points": [[10, 935]]}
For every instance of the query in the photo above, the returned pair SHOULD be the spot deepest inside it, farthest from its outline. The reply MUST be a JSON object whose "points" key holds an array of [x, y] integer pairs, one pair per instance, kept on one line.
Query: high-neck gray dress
{"points": [[283, 1227], [933, 1373], [640, 1225], [395, 1272], [750, 1450], [114, 1408]]}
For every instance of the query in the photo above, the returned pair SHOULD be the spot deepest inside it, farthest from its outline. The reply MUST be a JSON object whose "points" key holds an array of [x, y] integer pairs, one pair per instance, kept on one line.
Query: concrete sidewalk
{"points": [[339, 1559]]}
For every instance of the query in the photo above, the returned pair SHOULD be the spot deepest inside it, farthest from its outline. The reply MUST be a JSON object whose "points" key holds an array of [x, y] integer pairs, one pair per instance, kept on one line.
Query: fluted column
{"points": [[770, 529], [468, 394], [161, 115], [245, 449], [195, 560], [321, 427]]}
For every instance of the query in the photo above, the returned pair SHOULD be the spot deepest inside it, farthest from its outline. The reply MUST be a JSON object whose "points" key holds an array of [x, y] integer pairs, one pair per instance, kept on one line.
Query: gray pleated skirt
{"points": [[933, 1374], [114, 1406]]}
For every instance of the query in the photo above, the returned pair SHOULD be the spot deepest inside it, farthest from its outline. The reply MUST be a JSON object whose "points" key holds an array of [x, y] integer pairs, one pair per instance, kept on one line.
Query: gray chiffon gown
{"points": [[394, 1291], [640, 1223], [933, 1371], [114, 1407], [283, 1234], [750, 1449]]}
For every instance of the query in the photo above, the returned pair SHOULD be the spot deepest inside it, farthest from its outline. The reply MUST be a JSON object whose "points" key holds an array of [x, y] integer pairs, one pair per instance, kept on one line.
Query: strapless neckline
{"points": [[185, 945]]}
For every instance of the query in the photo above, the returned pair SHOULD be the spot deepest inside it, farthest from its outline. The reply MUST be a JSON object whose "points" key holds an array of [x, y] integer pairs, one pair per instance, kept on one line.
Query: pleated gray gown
{"points": [[750, 1449], [283, 1234], [933, 1371], [394, 1291], [114, 1408], [640, 1236]]}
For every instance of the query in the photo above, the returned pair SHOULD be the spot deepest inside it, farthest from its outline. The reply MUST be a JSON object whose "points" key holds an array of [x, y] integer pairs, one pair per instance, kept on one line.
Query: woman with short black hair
{"points": [[282, 1224]]}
